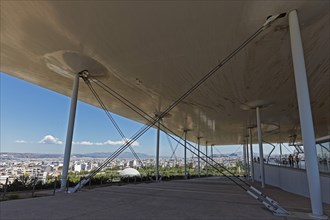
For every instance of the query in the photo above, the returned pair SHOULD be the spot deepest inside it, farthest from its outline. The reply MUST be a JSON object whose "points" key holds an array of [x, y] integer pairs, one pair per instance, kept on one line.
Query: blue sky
{"points": [[34, 119]]}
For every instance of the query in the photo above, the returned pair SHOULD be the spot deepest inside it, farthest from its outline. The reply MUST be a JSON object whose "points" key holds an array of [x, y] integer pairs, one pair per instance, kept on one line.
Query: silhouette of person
{"points": [[290, 160], [297, 160]]}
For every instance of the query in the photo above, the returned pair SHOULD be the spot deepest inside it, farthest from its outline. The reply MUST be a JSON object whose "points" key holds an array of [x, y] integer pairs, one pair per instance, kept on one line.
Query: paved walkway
{"points": [[207, 198]]}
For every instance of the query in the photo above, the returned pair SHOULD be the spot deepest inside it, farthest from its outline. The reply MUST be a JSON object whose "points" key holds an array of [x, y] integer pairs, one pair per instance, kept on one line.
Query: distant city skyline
{"points": [[34, 120]]}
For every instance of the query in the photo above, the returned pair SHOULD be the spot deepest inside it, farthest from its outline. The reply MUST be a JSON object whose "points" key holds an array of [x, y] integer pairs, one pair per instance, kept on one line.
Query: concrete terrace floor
{"points": [[206, 198]]}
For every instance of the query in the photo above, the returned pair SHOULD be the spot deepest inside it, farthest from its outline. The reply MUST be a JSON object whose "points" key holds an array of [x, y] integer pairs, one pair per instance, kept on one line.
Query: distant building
{"points": [[77, 168]]}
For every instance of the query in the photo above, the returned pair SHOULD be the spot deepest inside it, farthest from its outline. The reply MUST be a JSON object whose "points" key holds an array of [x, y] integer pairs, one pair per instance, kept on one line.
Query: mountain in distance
{"points": [[105, 155], [10, 155], [240, 154], [127, 155], [124, 155], [236, 154]]}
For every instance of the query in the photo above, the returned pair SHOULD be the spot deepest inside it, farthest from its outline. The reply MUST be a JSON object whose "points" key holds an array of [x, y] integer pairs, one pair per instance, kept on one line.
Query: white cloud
{"points": [[108, 142], [49, 139], [84, 143], [21, 142]]}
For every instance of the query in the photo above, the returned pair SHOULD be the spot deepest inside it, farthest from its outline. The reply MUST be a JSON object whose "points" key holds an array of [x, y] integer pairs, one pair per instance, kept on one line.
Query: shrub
{"points": [[13, 196]]}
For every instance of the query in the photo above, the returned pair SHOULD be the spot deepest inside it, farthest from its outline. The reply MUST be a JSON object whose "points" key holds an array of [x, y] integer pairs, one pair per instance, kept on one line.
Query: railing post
{"points": [[5, 188], [34, 185], [54, 190]]}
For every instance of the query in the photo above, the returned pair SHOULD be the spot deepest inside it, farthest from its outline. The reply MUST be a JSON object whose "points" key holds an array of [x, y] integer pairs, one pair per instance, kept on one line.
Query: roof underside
{"points": [[152, 52]]}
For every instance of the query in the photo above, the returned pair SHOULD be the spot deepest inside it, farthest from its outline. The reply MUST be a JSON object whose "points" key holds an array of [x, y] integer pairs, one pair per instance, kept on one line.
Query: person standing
{"points": [[297, 160], [290, 160]]}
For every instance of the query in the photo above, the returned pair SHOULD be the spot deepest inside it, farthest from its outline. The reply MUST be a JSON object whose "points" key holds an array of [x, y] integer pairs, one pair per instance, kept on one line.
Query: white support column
{"points": [[261, 151], [244, 158], [185, 154], [212, 153], [251, 151], [157, 152], [199, 159], [247, 159], [305, 114], [69, 135], [281, 153], [206, 165]]}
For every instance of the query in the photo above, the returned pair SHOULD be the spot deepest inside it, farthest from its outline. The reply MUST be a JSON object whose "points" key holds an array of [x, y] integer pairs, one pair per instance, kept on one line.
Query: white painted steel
{"points": [[247, 158], [305, 113], [69, 135], [261, 151], [244, 158], [185, 153], [281, 153], [157, 151], [212, 154], [206, 159], [199, 159], [251, 151]]}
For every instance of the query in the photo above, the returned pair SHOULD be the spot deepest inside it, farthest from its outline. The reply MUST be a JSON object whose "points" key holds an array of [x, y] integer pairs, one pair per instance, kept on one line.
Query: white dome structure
{"points": [[129, 172]]}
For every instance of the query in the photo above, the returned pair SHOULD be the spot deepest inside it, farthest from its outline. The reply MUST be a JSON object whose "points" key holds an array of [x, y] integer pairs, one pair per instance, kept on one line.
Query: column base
{"points": [[322, 217]]}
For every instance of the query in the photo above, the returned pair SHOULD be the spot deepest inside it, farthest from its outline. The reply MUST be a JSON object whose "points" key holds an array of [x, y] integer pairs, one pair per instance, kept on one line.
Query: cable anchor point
{"points": [[84, 75], [271, 19]]}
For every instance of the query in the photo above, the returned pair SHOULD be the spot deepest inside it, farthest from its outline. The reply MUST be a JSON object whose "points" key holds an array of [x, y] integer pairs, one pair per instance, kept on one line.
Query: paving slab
{"points": [[205, 198]]}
